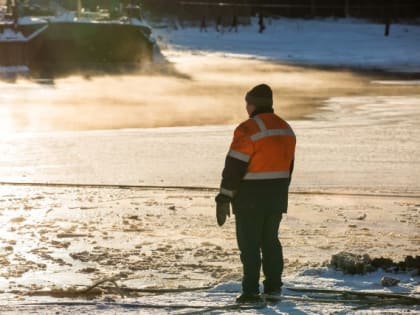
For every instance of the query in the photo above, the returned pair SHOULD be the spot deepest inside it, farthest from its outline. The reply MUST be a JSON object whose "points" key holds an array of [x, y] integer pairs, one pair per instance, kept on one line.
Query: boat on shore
{"points": [[18, 50], [75, 41]]}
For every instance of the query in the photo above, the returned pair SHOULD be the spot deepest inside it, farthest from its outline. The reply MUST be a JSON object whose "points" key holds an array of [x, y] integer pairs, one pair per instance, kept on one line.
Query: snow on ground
{"points": [[342, 42], [68, 237]]}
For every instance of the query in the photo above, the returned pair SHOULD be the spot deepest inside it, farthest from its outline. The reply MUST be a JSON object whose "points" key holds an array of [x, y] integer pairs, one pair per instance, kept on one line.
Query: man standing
{"points": [[256, 180], [203, 26], [261, 23]]}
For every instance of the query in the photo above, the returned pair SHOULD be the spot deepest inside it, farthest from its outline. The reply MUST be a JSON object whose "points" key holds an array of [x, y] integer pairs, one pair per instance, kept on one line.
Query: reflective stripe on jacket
{"points": [[263, 148]]}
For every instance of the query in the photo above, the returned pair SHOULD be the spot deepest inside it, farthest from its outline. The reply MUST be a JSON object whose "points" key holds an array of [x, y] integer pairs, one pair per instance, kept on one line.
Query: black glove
{"points": [[222, 208]]}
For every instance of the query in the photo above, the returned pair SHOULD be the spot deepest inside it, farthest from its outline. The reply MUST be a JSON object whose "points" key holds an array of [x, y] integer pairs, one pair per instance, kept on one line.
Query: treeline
{"points": [[373, 9], [196, 9]]}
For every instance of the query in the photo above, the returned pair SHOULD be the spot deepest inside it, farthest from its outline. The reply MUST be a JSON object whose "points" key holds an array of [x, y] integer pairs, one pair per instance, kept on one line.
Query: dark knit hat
{"points": [[260, 96]]}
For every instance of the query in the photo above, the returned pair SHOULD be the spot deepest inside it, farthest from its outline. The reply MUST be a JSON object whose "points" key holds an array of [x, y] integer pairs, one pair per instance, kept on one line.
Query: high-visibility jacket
{"points": [[262, 153]]}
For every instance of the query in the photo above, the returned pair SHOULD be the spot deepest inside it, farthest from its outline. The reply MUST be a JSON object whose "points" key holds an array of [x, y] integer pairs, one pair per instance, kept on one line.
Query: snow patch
{"points": [[14, 69], [231, 286], [10, 35], [29, 20]]}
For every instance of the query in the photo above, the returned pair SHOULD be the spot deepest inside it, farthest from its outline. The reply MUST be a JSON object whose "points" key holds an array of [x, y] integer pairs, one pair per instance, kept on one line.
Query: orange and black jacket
{"points": [[260, 162]]}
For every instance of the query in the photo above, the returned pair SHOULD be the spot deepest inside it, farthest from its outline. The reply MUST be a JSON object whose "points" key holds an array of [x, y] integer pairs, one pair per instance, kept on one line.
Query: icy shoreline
{"points": [[338, 43]]}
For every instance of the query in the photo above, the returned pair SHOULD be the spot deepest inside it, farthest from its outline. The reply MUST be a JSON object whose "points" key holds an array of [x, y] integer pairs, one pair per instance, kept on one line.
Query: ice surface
{"points": [[377, 151]]}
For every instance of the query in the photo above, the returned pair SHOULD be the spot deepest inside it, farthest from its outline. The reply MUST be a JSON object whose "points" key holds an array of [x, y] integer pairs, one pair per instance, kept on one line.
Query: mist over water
{"points": [[192, 90]]}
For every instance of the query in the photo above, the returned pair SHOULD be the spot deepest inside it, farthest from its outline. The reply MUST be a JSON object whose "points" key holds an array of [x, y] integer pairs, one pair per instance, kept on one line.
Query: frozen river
{"points": [[354, 144], [356, 131]]}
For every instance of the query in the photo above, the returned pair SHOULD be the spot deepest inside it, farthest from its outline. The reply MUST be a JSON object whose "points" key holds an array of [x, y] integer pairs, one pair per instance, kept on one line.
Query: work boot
{"points": [[272, 295], [245, 298]]}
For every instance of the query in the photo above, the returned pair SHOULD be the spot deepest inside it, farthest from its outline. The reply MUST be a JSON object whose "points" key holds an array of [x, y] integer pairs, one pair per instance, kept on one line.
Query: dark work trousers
{"points": [[257, 233]]}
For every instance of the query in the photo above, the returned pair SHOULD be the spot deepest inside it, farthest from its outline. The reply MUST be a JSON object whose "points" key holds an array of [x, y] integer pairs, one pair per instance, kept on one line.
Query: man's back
{"points": [[256, 178]]}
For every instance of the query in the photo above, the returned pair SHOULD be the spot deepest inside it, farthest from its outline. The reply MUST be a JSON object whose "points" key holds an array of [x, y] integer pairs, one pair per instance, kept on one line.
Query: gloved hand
{"points": [[222, 208]]}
